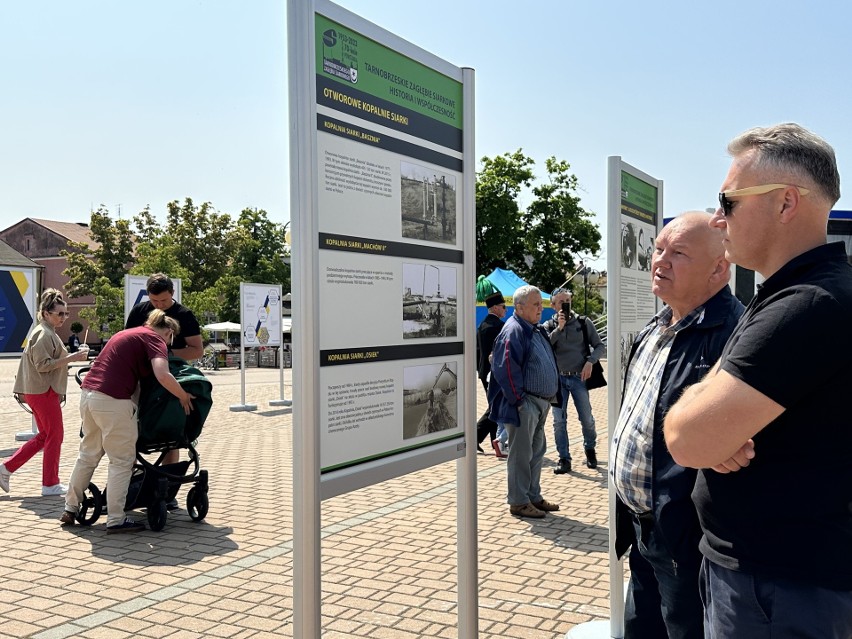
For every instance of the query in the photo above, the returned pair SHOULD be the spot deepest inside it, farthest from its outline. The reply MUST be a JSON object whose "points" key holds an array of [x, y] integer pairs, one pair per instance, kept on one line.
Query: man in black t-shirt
{"points": [[769, 425], [187, 344]]}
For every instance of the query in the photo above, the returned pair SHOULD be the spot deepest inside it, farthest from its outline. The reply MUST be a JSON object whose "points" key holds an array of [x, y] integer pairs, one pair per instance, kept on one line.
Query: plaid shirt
{"points": [[631, 454]]}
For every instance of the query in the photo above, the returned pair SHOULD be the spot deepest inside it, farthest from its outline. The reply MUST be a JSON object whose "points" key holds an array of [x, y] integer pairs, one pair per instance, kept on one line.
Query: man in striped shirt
{"points": [[524, 383]]}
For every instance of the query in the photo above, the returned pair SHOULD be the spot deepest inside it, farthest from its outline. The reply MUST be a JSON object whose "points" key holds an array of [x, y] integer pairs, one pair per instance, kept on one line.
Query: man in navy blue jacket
{"points": [[654, 510], [524, 383]]}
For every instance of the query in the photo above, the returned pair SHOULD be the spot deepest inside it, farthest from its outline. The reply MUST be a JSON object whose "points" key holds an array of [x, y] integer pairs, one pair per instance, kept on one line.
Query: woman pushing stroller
{"points": [[109, 413]]}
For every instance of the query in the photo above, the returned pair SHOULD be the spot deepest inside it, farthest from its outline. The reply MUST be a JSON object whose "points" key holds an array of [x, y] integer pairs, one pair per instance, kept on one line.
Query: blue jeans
{"points": [[502, 433], [739, 605], [527, 446], [662, 598], [575, 387]]}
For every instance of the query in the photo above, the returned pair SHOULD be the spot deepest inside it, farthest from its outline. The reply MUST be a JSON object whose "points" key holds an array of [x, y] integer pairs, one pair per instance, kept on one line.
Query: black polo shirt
{"points": [[789, 513], [188, 324]]}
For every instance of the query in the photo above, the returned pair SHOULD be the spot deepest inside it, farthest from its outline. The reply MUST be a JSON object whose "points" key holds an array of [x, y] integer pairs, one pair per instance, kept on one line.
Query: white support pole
{"points": [[307, 573], [466, 504], [282, 401], [242, 406]]}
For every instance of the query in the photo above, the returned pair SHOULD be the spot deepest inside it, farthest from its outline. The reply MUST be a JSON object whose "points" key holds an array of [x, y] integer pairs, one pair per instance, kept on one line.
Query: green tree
{"points": [[107, 315], [110, 258], [260, 255], [192, 245], [499, 241], [556, 228]]}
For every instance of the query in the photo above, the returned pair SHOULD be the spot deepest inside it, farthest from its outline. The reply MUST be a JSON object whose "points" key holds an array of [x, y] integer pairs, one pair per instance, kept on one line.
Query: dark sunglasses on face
{"points": [[727, 206], [60, 313]]}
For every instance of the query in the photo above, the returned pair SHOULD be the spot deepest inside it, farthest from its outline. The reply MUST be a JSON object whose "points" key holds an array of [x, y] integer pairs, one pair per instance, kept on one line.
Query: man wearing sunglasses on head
{"points": [[575, 366], [769, 426]]}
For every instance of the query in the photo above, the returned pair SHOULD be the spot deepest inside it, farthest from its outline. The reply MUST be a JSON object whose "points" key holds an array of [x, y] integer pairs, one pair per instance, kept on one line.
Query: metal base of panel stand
{"points": [[590, 630], [280, 402], [236, 408], [27, 435]]}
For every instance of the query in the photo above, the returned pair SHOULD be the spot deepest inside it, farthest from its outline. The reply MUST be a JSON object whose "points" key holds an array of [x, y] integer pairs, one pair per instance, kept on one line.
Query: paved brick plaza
{"points": [[389, 553]]}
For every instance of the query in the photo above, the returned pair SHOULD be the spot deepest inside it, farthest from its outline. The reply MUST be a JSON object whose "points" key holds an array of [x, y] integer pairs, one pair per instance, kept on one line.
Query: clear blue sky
{"points": [[135, 104]]}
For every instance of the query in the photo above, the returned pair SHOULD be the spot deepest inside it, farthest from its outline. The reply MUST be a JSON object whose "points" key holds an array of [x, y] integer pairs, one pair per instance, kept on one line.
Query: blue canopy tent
{"points": [[507, 282]]}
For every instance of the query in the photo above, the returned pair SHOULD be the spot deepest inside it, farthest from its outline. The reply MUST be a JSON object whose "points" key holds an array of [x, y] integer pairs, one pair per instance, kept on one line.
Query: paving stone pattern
{"points": [[388, 551]]}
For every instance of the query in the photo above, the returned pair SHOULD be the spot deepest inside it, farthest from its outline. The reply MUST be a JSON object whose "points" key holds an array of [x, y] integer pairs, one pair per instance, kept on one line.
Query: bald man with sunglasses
{"points": [[770, 425]]}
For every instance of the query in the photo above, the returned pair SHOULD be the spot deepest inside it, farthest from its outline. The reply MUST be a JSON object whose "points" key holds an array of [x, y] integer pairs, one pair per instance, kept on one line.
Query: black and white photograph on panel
{"points": [[429, 399], [644, 249], [428, 203], [428, 301], [628, 245]]}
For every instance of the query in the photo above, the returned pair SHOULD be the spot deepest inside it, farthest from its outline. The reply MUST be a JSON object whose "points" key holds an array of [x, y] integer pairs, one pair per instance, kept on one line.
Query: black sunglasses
{"points": [[727, 206]]}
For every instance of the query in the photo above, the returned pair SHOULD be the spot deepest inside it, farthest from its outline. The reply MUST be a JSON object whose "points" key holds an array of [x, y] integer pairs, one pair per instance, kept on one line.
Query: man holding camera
{"points": [[575, 366]]}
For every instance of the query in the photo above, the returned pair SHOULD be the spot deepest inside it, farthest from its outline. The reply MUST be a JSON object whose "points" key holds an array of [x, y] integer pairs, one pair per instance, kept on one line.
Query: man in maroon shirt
{"points": [[109, 414]]}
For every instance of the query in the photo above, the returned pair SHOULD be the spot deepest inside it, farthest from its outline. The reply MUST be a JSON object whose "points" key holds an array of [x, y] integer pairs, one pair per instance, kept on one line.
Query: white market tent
{"points": [[226, 327]]}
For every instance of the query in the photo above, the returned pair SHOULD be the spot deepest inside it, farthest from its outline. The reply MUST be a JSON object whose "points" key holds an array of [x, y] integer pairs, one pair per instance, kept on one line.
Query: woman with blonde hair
{"points": [[41, 381]]}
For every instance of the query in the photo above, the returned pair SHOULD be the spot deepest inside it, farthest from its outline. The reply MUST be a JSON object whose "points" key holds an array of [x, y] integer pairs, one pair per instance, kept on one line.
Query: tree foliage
{"points": [[498, 217], [556, 228], [540, 242], [260, 251], [209, 251], [107, 315], [194, 244], [110, 259]]}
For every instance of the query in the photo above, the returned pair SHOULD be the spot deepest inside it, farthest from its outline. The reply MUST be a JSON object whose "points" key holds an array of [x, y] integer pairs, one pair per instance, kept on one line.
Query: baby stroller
{"points": [[163, 426]]}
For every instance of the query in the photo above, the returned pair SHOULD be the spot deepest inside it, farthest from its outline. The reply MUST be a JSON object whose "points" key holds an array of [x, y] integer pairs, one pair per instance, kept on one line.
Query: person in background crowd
{"points": [[42, 380], [524, 382], [575, 365], [486, 333], [73, 343]]}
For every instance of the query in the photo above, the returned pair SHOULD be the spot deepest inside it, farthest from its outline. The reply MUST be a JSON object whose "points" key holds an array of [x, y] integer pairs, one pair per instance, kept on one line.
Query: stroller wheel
{"points": [[157, 514], [197, 503], [91, 506]]}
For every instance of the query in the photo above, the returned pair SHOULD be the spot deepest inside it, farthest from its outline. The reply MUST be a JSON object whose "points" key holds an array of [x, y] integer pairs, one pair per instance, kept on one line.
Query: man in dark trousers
{"points": [[654, 509], [487, 332]]}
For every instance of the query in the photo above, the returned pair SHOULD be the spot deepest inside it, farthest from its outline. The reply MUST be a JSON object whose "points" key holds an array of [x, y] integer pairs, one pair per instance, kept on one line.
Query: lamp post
{"points": [[587, 275]]}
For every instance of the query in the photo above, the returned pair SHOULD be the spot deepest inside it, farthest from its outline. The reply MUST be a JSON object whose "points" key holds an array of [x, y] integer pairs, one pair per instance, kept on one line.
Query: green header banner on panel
{"points": [[357, 61], [638, 199]]}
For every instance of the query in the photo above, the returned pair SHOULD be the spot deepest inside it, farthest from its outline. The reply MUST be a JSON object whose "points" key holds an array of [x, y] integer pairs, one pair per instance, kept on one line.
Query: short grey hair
{"points": [[792, 149], [521, 294]]}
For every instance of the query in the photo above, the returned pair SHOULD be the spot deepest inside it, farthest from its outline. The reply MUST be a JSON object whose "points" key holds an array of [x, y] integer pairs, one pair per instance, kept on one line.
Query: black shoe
{"points": [[172, 505], [591, 458], [479, 449], [127, 526], [563, 467]]}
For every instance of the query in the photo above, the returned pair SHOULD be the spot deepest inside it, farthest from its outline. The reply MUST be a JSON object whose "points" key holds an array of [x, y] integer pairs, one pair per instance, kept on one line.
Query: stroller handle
{"points": [[81, 373]]}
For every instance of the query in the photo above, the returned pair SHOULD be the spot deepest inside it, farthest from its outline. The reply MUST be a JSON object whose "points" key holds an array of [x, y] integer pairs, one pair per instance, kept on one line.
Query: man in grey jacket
{"points": [[575, 366]]}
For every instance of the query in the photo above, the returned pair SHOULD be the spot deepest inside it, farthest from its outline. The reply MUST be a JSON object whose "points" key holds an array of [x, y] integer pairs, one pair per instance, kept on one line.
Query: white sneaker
{"points": [[54, 491], [4, 478]]}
